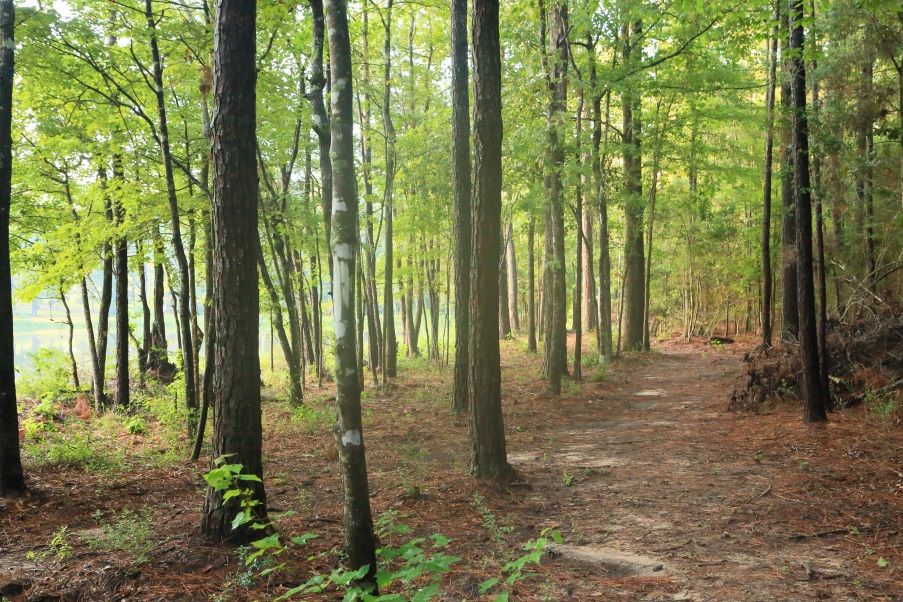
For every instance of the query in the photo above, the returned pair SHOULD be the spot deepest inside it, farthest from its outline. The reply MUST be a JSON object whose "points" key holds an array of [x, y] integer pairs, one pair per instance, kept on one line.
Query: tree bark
{"points": [[814, 395], [512, 281], [789, 302], [531, 287], [235, 391], [487, 431], [12, 477], [390, 368], [766, 187], [462, 191], [360, 543], [554, 280], [634, 294], [504, 308], [186, 334], [321, 124]]}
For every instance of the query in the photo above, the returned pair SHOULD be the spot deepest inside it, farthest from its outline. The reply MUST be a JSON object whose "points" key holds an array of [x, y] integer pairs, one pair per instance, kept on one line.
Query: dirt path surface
{"points": [[659, 493]]}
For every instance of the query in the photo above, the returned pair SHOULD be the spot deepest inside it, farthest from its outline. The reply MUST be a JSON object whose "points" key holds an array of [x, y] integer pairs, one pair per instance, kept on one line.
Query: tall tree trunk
{"points": [[590, 306], [814, 394], [531, 287], [158, 355], [390, 369], [122, 295], [512, 280], [360, 543], [462, 191], [633, 201], [321, 124], [504, 309], [489, 457], [235, 391], [72, 362], [817, 192], [182, 261], [789, 302], [143, 354], [766, 187], [12, 477], [605, 347], [374, 328], [554, 280], [578, 268]]}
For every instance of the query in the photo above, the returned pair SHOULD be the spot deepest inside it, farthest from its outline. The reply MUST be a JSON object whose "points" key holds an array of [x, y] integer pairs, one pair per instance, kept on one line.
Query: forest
{"points": [[627, 326]]}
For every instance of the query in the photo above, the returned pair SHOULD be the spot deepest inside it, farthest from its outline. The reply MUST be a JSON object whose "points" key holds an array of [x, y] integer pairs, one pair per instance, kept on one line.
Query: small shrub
{"points": [[49, 376], [136, 426], [129, 532]]}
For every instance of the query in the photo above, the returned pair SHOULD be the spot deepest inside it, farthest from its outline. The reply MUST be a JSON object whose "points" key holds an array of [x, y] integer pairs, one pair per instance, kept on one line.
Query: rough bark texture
{"points": [[554, 278], [462, 191], [789, 309], [814, 395], [634, 272], [360, 543], [766, 188], [487, 431], [122, 318], [235, 390], [12, 478]]}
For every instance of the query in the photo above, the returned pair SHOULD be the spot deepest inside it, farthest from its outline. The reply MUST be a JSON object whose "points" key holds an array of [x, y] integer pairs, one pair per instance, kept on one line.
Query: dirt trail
{"points": [[660, 494], [665, 496]]}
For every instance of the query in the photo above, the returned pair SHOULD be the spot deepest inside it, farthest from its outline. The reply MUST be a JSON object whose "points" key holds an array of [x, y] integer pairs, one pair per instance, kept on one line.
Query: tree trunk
{"points": [[605, 347], [122, 315], [390, 368], [512, 281], [813, 391], [531, 287], [73, 363], [789, 304], [554, 281], [634, 294], [504, 309], [360, 543], [235, 391], [817, 192], [489, 458], [766, 187], [12, 477], [184, 276], [321, 124], [578, 268], [462, 191]]}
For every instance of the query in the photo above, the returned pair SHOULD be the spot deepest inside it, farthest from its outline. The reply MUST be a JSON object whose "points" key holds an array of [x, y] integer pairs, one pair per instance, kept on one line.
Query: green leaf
{"points": [[488, 584], [883, 563]]}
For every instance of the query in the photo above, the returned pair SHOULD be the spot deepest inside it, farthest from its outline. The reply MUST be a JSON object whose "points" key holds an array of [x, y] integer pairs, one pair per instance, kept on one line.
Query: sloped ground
{"points": [[660, 494]]}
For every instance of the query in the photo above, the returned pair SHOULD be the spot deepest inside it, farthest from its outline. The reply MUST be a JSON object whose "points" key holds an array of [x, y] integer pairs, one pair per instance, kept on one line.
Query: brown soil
{"points": [[660, 494]]}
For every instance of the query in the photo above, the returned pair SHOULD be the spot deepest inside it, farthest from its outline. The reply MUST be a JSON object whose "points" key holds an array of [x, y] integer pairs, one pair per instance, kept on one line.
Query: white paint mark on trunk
{"points": [[351, 438]]}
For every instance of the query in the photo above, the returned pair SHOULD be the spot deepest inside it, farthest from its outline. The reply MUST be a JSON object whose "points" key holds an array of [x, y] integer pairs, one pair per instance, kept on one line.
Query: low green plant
{"points": [[600, 373], [516, 568], [496, 532], [136, 426], [314, 415], [128, 531], [49, 376], [58, 546], [567, 479], [881, 406], [75, 447]]}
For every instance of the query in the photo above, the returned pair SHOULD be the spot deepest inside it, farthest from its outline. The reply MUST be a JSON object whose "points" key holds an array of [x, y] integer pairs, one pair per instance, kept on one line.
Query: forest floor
{"points": [[658, 491]]}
